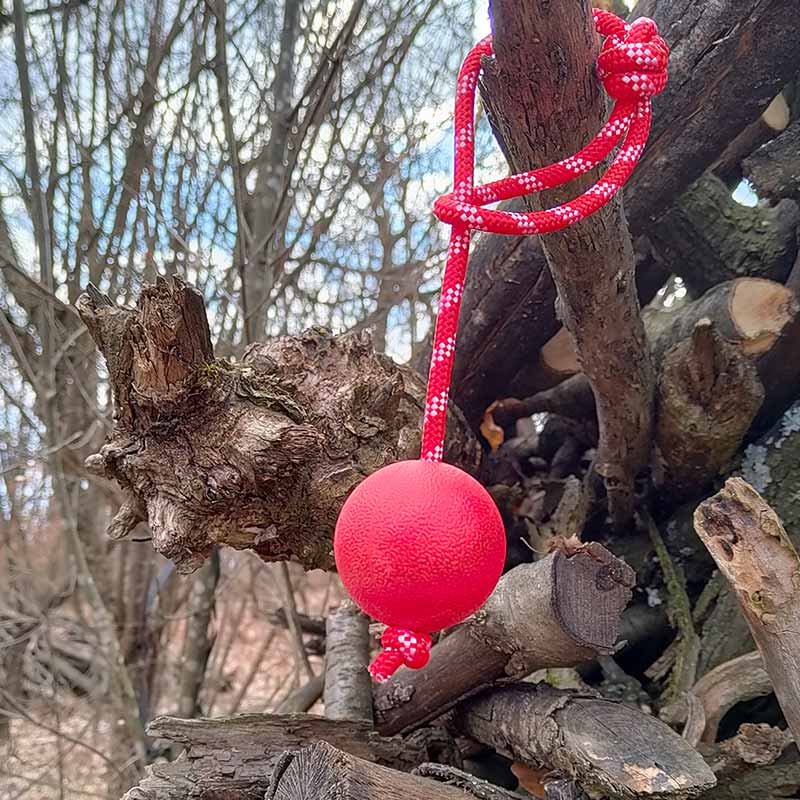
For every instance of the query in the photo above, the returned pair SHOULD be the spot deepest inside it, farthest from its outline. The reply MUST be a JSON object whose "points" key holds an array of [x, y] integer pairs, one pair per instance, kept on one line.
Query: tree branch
{"points": [[753, 552], [557, 612], [542, 116], [609, 749]]}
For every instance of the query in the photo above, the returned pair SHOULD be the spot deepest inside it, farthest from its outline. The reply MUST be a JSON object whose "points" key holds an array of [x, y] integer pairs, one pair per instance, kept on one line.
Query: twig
{"points": [[294, 624], [679, 609]]}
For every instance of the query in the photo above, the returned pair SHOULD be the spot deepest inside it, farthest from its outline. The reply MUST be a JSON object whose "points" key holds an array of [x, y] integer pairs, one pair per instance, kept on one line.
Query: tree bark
{"points": [[774, 169], [609, 749], [707, 237], [753, 552], [256, 454], [557, 612]]}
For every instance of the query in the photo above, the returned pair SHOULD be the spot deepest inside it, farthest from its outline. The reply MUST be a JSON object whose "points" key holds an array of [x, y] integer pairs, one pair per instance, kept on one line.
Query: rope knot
{"points": [[400, 646], [632, 64]]}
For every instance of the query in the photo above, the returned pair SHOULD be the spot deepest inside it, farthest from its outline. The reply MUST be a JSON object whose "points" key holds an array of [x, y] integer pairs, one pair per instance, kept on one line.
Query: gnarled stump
{"points": [[254, 454]]}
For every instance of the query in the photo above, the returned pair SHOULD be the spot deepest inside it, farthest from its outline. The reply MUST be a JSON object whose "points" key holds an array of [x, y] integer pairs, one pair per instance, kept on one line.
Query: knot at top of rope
{"points": [[632, 64], [400, 646]]}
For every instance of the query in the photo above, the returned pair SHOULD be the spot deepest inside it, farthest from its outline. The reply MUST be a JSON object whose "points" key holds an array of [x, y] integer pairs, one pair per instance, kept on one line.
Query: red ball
{"points": [[420, 545]]}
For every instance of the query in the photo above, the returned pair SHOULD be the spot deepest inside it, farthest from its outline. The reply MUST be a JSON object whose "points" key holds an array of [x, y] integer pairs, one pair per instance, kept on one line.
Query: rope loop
{"points": [[400, 646], [632, 67]]}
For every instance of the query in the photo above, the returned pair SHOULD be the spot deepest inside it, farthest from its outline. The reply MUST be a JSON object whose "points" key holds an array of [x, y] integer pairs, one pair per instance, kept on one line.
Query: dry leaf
{"points": [[492, 432], [529, 778]]}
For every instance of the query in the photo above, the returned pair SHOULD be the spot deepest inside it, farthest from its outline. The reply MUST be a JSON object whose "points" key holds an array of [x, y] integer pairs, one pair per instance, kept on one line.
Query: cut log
{"points": [[321, 772], [557, 612], [752, 313], [774, 169], [539, 118], [348, 689], [559, 355], [255, 454], [608, 749], [235, 756], [708, 238], [708, 395], [753, 552]]}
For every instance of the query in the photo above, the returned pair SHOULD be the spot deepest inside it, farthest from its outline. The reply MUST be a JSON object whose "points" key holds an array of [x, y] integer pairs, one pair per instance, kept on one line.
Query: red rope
{"points": [[632, 66]]}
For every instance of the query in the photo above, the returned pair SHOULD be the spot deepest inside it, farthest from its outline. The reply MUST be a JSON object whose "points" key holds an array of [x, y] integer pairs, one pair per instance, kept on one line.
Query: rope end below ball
{"points": [[400, 646]]}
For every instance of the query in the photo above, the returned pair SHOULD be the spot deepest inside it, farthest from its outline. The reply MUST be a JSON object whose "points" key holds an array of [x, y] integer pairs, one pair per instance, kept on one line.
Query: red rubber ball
{"points": [[420, 545]]}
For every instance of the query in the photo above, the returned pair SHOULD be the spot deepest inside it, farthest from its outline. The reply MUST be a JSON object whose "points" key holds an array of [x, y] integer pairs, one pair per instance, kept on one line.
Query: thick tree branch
{"points": [[348, 690], [707, 237], [611, 750], [774, 169], [557, 612], [541, 116]]}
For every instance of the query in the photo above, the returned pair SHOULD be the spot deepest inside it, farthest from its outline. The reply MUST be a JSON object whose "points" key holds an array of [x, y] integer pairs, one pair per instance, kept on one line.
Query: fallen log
{"points": [[235, 756], [609, 749], [557, 612], [753, 552]]}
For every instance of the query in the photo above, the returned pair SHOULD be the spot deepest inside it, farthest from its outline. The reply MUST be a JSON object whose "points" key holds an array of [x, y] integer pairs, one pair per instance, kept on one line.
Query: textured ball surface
{"points": [[420, 545]]}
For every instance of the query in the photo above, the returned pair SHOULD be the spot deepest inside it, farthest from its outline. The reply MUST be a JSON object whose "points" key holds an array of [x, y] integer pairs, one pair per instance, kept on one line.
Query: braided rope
{"points": [[400, 646], [632, 67]]}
